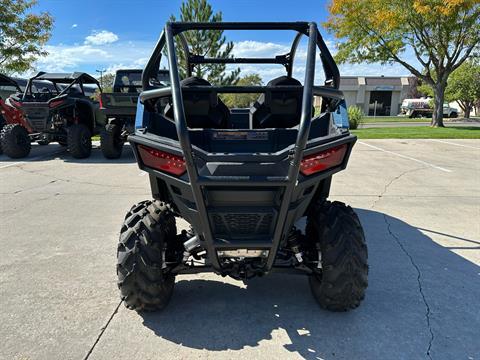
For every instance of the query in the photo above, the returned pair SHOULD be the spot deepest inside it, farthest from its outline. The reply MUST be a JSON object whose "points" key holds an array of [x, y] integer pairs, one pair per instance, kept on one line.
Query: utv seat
{"points": [[74, 92], [202, 109], [278, 109]]}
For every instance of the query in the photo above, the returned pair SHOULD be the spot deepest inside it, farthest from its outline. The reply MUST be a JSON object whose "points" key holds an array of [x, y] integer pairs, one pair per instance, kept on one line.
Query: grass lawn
{"points": [[390, 119], [419, 132], [382, 119]]}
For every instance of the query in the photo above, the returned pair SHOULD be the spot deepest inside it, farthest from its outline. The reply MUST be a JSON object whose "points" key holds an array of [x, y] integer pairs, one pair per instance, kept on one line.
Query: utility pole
{"points": [[101, 76]]}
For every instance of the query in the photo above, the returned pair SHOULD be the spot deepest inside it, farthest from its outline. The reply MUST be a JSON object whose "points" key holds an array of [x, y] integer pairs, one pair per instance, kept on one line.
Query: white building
{"points": [[386, 93]]}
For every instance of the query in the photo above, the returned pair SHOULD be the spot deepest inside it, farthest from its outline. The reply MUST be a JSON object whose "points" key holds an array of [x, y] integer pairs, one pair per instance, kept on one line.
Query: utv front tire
{"points": [[111, 141], [79, 141], [147, 228], [15, 141], [342, 282]]}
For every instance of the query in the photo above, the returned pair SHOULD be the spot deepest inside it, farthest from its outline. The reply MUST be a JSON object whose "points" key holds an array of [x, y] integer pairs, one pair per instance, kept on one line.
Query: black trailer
{"points": [[242, 178]]}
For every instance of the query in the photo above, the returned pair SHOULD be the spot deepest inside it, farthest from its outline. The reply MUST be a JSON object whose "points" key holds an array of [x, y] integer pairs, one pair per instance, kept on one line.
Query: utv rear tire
{"points": [[15, 141], [2, 124], [341, 284], [143, 285], [111, 141], [79, 141]]}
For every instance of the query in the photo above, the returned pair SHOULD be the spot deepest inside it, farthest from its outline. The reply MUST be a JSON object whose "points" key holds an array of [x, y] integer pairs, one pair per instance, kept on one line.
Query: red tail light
{"points": [[163, 161], [55, 103], [324, 160]]}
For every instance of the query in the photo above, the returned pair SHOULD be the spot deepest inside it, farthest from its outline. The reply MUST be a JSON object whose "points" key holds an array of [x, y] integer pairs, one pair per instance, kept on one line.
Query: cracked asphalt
{"points": [[418, 201]]}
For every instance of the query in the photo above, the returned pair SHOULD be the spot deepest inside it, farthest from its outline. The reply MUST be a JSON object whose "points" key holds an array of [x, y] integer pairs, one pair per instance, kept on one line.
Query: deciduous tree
{"points": [[243, 100], [430, 38], [463, 86], [22, 35]]}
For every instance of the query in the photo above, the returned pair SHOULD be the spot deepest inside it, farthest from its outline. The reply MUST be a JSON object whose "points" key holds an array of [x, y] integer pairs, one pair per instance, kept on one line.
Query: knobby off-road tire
{"points": [[344, 277], [15, 141], [147, 228], [63, 143], [79, 141], [2, 124], [111, 141]]}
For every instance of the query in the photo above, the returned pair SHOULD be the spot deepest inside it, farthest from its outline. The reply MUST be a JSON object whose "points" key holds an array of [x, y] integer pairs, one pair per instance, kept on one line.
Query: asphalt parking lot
{"points": [[419, 202]]}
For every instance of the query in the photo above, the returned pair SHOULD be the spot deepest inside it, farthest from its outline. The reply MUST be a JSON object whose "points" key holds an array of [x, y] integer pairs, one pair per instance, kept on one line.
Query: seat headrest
{"points": [[202, 109], [284, 81], [194, 81]]}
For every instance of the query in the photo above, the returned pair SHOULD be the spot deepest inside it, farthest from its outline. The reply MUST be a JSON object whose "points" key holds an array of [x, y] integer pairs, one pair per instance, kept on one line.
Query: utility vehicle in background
{"points": [[120, 107], [415, 108], [8, 113], [242, 178], [63, 112]]}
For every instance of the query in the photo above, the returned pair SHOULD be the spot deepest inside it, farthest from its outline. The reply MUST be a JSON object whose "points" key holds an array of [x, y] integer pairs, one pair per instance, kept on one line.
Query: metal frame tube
{"points": [[301, 142], [184, 140]]}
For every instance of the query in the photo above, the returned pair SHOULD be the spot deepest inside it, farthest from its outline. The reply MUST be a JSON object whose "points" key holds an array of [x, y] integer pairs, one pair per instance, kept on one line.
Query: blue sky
{"points": [[110, 34]]}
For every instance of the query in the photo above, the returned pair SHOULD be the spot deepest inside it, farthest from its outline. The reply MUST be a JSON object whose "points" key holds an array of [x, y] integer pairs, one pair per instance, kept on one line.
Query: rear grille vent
{"points": [[236, 225], [37, 117]]}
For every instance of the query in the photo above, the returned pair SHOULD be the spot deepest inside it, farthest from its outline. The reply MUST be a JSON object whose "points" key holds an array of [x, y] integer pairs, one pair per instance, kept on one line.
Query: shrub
{"points": [[355, 116]]}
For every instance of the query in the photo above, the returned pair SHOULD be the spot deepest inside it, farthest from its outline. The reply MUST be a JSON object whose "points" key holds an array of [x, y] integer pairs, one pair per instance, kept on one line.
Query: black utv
{"points": [[56, 107], [120, 108], [243, 178]]}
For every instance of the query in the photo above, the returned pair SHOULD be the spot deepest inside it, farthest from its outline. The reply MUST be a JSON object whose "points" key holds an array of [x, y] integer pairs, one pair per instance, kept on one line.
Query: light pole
{"points": [[101, 76]]}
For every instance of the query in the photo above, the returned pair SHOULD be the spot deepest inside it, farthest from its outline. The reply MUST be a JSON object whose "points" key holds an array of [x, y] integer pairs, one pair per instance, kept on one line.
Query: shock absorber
{"points": [[294, 244]]}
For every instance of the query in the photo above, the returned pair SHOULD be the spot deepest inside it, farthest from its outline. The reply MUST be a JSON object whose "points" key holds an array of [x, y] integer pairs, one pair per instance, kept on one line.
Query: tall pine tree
{"points": [[209, 43]]}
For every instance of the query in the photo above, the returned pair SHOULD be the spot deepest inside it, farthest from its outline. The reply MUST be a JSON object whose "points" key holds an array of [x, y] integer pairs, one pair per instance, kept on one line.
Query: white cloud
{"points": [[270, 71], [101, 38], [85, 57], [74, 26], [128, 54], [62, 58], [251, 48]]}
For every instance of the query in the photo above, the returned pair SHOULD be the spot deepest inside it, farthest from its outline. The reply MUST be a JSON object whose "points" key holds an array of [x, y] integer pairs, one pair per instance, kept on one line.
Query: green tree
{"points": [[243, 100], [22, 35], [463, 86], [441, 34], [211, 43], [107, 81]]}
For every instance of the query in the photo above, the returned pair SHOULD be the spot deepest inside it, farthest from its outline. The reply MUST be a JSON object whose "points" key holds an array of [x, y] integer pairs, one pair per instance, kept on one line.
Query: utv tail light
{"points": [[163, 161], [324, 160], [55, 103]]}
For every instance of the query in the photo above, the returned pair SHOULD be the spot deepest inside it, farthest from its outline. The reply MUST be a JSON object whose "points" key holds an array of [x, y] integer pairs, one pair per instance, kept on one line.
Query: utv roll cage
{"points": [[62, 78], [197, 183], [8, 81]]}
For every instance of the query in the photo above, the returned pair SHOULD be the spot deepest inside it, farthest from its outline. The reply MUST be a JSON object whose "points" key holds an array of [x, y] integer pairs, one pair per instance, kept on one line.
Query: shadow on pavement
{"points": [[55, 151], [420, 295], [97, 157]]}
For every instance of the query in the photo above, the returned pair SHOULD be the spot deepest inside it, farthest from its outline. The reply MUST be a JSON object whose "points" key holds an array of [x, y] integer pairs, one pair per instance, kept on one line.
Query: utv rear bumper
{"points": [[244, 202]]}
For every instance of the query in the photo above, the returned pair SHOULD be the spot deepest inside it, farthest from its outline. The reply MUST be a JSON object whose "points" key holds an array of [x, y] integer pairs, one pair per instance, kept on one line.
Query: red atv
{"points": [[8, 113]]}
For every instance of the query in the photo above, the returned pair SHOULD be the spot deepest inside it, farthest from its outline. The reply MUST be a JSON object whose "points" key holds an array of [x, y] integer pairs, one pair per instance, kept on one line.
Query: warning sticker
{"points": [[240, 135]]}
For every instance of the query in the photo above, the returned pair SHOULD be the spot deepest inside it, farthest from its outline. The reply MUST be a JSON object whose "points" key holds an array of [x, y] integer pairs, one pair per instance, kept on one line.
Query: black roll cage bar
{"points": [[302, 28], [8, 81], [75, 78], [197, 181]]}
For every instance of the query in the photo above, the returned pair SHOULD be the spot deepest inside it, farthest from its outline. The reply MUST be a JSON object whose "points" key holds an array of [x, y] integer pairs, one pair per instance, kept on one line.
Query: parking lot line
{"points": [[406, 157], [451, 143]]}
